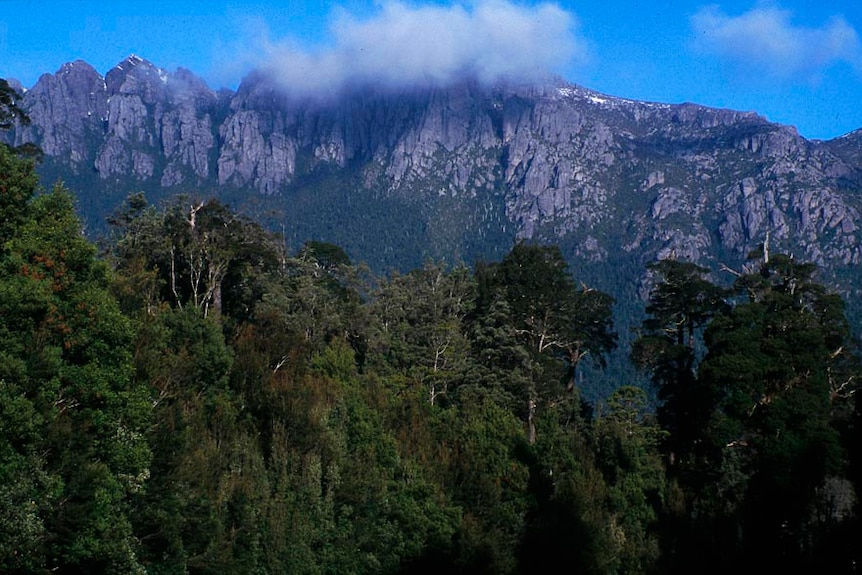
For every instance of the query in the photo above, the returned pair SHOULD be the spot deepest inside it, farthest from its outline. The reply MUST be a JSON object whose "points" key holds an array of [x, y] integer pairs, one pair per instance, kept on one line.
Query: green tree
{"points": [[628, 443], [18, 182], [558, 323], [681, 303], [568, 521], [475, 453], [771, 361], [196, 254], [317, 294], [420, 328], [66, 371], [500, 361], [183, 517]]}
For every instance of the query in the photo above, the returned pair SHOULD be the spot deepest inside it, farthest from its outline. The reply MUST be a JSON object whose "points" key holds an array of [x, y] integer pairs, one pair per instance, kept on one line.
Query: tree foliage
{"points": [[10, 112], [681, 303], [72, 452], [557, 323], [758, 419], [199, 400]]}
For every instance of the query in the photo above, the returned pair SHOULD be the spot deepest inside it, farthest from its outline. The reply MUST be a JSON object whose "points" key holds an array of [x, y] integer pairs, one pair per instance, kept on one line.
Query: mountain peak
{"points": [[134, 60], [606, 177], [133, 73], [138, 66], [76, 66]]}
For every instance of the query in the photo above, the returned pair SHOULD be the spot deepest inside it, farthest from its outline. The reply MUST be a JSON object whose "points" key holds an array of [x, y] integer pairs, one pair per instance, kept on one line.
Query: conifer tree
{"points": [[559, 324], [681, 303], [769, 362]]}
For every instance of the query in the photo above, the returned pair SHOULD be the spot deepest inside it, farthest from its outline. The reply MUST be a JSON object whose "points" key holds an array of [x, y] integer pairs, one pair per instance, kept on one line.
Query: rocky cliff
{"points": [[461, 171]]}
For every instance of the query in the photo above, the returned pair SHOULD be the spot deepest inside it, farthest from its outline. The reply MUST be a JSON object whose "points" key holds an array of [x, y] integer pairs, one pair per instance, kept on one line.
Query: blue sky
{"points": [[796, 62]]}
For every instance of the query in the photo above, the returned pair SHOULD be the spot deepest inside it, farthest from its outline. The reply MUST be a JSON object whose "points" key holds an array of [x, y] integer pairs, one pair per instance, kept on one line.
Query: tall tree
{"points": [[18, 182], [501, 362], [197, 254], [559, 323], [681, 303], [628, 453], [420, 325], [771, 360], [324, 291]]}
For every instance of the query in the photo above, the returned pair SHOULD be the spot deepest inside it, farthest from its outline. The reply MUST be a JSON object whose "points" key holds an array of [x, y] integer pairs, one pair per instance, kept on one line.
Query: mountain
{"points": [[462, 171]]}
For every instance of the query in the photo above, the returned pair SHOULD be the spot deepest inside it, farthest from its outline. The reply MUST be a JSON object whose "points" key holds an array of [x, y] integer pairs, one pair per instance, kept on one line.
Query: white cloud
{"points": [[408, 44], [766, 41]]}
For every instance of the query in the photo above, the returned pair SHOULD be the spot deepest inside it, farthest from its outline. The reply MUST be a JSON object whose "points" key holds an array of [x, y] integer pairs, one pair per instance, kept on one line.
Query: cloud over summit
{"points": [[766, 41], [406, 44]]}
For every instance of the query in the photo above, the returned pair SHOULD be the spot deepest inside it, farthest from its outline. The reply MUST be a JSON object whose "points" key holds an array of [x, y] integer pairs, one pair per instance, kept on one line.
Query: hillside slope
{"points": [[461, 172]]}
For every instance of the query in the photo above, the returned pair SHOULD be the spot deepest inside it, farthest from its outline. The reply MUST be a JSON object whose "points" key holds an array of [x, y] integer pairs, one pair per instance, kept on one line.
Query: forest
{"points": [[189, 397]]}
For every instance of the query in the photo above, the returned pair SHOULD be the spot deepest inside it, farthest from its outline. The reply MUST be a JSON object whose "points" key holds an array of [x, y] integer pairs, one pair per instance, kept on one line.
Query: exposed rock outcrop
{"points": [[605, 176]]}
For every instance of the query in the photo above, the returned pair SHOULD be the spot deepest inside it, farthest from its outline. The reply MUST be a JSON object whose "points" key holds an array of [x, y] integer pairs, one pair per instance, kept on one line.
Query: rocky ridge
{"points": [[612, 180]]}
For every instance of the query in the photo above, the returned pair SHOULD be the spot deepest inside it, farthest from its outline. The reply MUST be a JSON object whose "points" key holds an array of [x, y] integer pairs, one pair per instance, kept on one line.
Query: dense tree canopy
{"points": [[198, 400], [72, 450], [681, 303], [753, 429]]}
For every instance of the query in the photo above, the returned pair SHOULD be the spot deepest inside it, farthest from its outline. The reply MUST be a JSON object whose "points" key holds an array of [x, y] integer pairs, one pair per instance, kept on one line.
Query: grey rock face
{"points": [[604, 175], [187, 130], [134, 89], [156, 120], [67, 110], [137, 121]]}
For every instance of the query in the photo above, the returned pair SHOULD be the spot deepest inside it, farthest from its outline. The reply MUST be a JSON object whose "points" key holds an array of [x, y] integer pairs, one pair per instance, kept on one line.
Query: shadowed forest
{"points": [[189, 397]]}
